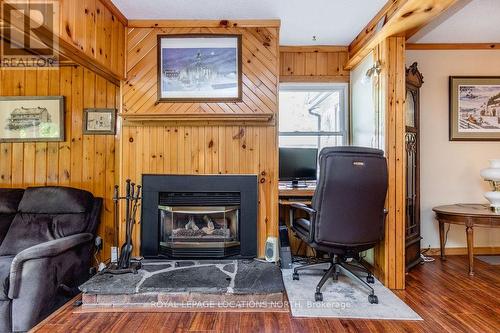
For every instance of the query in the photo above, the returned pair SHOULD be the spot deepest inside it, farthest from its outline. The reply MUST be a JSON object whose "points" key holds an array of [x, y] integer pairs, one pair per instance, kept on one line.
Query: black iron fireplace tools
{"points": [[126, 264]]}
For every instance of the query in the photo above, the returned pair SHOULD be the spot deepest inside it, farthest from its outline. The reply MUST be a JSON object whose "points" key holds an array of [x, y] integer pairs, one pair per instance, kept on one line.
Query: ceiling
{"points": [[333, 22], [469, 21]]}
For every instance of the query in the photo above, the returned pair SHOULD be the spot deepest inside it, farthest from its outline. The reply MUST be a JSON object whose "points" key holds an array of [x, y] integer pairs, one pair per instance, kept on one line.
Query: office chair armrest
{"points": [[312, 215], [304, 208]]}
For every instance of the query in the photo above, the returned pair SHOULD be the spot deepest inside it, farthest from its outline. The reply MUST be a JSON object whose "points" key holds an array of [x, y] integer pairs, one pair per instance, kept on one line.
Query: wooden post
{"points": [[390, 256]]}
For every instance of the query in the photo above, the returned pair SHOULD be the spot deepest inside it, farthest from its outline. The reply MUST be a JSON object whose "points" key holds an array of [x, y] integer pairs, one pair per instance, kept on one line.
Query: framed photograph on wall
{"points": [[474, 108], [31, 118], [99, 121], [199, 68]]}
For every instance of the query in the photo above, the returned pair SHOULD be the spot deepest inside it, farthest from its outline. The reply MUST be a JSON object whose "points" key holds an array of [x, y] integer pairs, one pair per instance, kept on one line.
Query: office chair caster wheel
{"points": [[318, 297], [370, 279], [373, 299], [295, 276]]}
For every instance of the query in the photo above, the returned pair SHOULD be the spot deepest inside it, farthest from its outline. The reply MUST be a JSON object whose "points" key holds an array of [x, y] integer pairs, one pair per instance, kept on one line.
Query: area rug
{"points": [[345, 298], [492, 260]]}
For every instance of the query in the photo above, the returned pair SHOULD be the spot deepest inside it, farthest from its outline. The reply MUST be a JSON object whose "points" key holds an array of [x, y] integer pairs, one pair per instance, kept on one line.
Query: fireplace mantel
{"points": [[198, 118]]}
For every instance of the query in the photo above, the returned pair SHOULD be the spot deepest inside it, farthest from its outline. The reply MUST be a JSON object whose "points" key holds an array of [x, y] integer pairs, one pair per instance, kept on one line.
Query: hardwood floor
{"points": [[442, 293]]}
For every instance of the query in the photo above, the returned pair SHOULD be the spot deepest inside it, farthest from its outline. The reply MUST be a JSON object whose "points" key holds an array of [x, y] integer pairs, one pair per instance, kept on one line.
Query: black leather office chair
{"points": [[347, 214]]}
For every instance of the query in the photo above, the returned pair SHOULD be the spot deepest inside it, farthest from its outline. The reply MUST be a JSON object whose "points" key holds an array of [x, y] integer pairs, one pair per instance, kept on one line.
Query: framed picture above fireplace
{"points": [[199, 68]]}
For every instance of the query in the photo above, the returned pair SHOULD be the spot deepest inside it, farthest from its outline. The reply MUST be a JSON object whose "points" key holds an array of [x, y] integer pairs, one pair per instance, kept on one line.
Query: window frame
{"points": [[342, 88]]}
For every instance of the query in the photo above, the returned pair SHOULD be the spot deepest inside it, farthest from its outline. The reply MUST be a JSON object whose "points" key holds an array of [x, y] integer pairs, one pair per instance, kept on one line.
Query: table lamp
{"points": [[492, 175]]}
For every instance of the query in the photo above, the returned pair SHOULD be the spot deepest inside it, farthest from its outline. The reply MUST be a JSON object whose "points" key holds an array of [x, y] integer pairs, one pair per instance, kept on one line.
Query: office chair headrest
{"points": [[351, 150]]}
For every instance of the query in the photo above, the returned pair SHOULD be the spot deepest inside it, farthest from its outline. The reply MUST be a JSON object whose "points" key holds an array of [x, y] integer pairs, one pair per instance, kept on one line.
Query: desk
{"points": [[288, 196], [287, 192], [469, 215]]}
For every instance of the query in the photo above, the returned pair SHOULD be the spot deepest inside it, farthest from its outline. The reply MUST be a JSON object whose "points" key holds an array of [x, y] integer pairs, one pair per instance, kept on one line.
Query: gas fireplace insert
{"points": [[199, 216]]}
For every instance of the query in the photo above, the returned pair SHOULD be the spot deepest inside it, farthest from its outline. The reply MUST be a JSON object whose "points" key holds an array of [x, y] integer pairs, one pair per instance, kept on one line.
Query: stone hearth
{"points": [[189, 284]]}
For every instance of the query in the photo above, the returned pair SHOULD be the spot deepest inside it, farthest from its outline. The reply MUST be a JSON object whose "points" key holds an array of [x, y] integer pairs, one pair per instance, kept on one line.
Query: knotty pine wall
{"points": [[313, 64], [209, 146], [97, 29], [81, 161], [92, 32]]}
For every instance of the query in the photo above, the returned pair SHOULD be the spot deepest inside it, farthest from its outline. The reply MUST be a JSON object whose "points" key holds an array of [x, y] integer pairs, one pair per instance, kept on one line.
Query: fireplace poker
{"points": [[126, 264], [116, 198], [125, 252]]}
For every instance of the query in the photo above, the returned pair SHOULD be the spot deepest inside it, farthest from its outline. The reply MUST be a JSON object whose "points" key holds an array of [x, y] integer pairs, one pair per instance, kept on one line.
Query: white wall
{"points": [[363, 112], [450, 170]]}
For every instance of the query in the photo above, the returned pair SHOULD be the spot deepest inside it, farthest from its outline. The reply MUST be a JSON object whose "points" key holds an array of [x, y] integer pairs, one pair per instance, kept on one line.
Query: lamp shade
{"points": [[493, 172]]}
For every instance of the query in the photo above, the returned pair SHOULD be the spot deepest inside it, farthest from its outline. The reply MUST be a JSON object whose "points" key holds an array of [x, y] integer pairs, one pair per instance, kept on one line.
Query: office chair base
{"points": [[373, 299], [336, 266]]}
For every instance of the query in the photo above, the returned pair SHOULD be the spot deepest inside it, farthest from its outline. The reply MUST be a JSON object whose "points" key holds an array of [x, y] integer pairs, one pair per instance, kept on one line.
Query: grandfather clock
{"points": [[414, 81]]}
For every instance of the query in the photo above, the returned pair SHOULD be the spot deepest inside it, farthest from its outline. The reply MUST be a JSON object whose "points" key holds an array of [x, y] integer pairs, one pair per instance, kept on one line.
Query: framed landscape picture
{"points": [[99, 121], [199, 68], [474, 108], [31, 118]]}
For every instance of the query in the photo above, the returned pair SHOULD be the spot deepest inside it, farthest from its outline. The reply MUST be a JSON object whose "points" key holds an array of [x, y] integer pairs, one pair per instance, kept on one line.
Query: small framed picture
{"points": [[31, 118], [199, 68], [99, 121], [474, 108]]}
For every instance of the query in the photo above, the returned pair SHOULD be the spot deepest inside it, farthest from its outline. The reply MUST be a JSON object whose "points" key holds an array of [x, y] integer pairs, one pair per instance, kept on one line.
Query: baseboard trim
{"points": [[454, 251]]}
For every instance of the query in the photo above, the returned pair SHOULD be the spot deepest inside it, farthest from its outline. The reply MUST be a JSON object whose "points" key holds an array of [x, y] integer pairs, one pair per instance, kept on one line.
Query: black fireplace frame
{"points": [[153, 184]]}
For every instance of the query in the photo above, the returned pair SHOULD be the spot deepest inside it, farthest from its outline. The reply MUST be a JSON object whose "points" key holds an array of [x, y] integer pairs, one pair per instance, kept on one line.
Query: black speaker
{"points": [[285, 252], [284, 241]]}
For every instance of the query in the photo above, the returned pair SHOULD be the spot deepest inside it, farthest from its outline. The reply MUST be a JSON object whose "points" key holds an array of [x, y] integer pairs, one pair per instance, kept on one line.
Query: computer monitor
{"points": [[298, 164]]}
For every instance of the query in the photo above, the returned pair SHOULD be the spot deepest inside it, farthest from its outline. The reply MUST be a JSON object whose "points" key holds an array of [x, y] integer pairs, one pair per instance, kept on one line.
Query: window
{"points": [[312, 115]]}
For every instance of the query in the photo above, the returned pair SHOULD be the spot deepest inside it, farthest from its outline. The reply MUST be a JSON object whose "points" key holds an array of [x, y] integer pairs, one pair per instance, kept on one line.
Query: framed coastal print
{"points": [[99, 121], [199, 68], [474, 108], [31, 118]]}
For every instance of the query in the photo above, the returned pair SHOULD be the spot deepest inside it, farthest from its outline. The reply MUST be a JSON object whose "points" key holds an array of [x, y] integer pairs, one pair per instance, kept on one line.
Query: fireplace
{"points": [[186, 216]]}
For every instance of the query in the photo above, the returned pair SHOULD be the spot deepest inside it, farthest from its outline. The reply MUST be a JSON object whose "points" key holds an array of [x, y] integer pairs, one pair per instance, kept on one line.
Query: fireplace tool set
{"points": [[125, 263]]}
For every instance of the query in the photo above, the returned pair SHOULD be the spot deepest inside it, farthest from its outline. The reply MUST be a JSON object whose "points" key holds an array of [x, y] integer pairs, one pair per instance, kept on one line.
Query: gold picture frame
{"points": [[474, 108]]}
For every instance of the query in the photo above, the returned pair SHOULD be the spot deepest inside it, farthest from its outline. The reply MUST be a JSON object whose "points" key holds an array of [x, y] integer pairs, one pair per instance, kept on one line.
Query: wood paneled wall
{"points": [[259, 73], [86, 162], [313, 64], [91, 33], [96, 28], [209, 146]]}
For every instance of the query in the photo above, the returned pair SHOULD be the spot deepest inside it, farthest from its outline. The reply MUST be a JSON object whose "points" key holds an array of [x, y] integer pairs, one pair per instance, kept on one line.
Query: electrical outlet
{"points": [[114, 254]]}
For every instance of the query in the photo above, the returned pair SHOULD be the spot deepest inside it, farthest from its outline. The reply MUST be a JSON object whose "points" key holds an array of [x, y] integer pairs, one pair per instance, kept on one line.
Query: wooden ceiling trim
{"points": [[369, 30], [115, 11], [314, 48], [453, 46], [396, 18], [204, 23]]}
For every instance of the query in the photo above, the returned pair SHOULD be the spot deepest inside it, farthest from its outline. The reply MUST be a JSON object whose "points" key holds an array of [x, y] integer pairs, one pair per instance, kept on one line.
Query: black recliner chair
{"points": [[46, 252], [347, 214]]}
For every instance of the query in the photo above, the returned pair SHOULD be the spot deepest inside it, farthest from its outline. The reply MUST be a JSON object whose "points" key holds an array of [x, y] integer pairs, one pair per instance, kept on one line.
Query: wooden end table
{"points": [[469, 215]]}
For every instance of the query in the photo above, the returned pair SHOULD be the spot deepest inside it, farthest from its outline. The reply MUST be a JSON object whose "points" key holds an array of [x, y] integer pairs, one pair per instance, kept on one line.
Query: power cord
{"points": [[430, 259]]}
